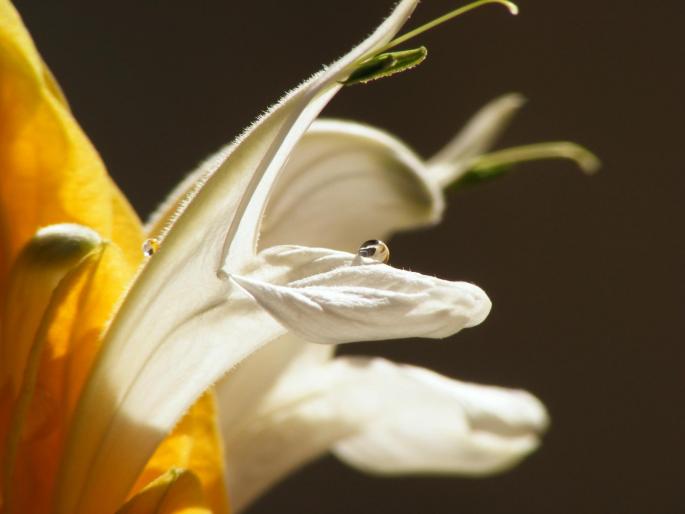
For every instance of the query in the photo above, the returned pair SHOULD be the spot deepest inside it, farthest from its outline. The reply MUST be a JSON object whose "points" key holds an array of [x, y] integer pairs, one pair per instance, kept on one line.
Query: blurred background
{"points": [[586, 273]]}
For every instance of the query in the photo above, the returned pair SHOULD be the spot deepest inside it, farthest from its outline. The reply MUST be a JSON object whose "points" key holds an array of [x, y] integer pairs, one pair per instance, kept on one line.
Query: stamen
{"points": [[495, 164], [584, 158], [384, 63], [513, 9]]}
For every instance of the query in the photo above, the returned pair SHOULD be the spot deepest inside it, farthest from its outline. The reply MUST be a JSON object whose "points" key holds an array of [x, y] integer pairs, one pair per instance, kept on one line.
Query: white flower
{"points": [[214, 293], [292, 401]]}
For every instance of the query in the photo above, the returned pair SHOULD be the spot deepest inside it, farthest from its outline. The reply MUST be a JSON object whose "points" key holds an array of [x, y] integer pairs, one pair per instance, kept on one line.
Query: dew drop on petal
{"points": [[150, 246], [375, 249]]}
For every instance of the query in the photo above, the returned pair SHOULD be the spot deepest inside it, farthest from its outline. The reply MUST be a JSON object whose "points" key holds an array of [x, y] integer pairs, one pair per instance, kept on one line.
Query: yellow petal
{"points": [[52, 174], [74, 342], [50, 171], [42, 264], [49, 270], [195, 444], [178, 491], [64, 361]]}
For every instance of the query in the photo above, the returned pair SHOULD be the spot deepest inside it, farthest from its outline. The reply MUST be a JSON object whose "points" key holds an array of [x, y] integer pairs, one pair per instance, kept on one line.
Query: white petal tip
{"points": [[482, 305]]}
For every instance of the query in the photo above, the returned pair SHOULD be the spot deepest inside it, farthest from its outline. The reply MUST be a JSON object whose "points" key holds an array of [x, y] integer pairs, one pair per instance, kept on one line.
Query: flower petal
{"points": [[121, 439], [41, 265], [291, 423], [365, 180], [49, 270], [194, 445], [243, 396], [372, 181], [60, 361], [169, 340], [476, 137], [178, 491], [357, 299], [380, 417], [421, 422], [240, 392], [50, 171]]}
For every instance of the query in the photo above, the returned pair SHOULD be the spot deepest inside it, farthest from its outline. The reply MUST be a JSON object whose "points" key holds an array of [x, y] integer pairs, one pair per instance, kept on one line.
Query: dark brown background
{"points": [[585, 273]]}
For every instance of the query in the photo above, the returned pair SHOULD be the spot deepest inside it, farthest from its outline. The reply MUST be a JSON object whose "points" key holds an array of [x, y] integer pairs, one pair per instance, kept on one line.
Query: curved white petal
{"points": [[380, 417], [344, 298], [370, 182], [346, 183], [371, 185], [476, 137], [427, 423], [164, 346]]}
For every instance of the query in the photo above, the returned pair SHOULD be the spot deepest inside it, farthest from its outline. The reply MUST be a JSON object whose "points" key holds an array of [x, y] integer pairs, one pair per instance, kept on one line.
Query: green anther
{"points": [[386, 64]]}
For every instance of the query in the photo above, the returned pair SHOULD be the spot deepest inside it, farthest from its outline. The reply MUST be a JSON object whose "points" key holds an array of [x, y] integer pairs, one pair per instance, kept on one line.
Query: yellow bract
{"points": [[175, 492], [50, 173], [194, 444]]}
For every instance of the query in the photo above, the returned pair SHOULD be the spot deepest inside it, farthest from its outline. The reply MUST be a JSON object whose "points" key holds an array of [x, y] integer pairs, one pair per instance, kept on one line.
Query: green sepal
{"points": [[386, 64]]}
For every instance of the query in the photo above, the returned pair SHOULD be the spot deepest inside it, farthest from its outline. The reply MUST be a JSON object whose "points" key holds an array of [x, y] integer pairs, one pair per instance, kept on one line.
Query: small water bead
{"points": [[376, 250], [150, 246]]}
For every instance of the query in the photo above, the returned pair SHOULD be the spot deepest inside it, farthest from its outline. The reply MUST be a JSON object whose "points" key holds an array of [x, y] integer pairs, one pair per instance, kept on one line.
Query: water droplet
{"points": [[150, 246], [376, 250]]}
